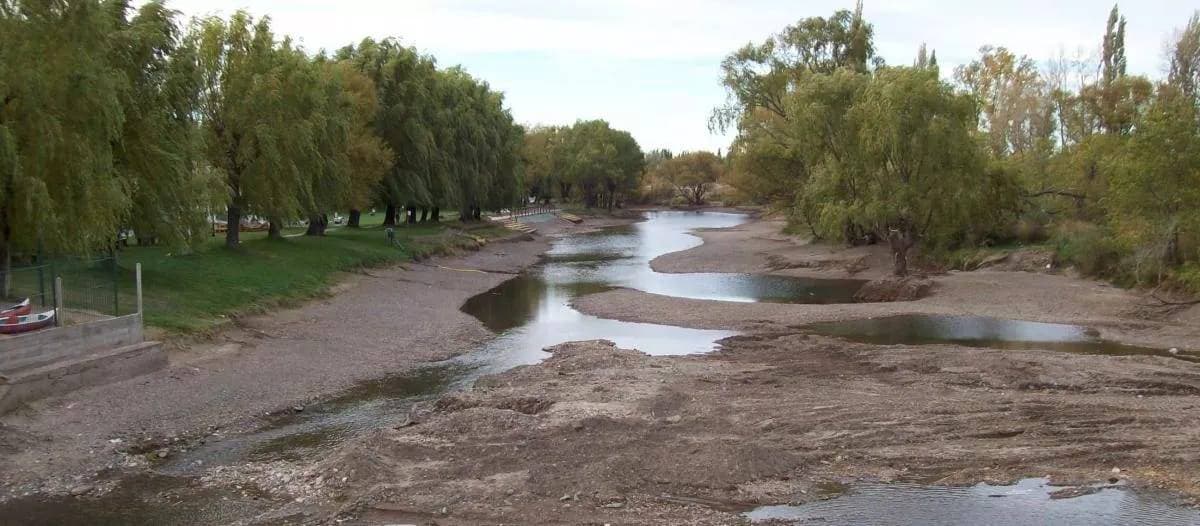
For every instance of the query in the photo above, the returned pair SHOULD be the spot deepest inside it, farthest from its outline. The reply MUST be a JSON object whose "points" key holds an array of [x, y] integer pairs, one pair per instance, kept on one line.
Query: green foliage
{"points": [[1090, 248], [600, 164], [60, 117], [194, 292], [691, 175], [858, 152]]}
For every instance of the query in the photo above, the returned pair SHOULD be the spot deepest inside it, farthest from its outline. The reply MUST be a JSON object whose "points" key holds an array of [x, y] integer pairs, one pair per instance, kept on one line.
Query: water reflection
{"points": [[1027, 502], [533, 310], [918, 329]]}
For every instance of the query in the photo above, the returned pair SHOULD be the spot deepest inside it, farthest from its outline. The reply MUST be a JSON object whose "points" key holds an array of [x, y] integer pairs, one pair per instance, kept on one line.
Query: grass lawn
{"points": [[188, 293]]}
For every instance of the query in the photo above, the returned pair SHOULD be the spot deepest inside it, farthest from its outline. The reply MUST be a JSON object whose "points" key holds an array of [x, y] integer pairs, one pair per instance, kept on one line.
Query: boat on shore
{"points": [[28, 323]]}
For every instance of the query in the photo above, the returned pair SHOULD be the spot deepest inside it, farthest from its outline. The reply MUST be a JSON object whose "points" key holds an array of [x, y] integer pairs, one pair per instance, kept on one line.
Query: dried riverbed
{"points": [[778, 415]]}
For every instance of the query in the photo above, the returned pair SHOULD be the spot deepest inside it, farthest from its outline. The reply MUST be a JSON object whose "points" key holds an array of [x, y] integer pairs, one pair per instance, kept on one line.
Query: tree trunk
{"points": [[1172, 253], [233, 226], [389, 215], [477, 213], [314, 226], [274, 229], [355, 218], [900, 240], [6, 264], [424, 214], [437, 214]]}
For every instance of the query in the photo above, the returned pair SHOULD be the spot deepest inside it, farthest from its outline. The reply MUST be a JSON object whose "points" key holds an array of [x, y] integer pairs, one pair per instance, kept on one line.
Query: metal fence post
{"points": [[138, 280], [58, 302], [116, 279]]}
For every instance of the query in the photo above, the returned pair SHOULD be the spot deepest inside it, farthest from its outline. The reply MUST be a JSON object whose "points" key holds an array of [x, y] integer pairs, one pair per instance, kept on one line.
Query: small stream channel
{"points": [[528, 313]]}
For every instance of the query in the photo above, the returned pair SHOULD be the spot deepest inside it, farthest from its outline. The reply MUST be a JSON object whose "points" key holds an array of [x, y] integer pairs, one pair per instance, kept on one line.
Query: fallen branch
{"points": [[1174, 303]]}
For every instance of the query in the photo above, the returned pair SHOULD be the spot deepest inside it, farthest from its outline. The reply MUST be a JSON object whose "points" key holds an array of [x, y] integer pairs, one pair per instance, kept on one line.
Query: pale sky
{"points": [[652, 67]]}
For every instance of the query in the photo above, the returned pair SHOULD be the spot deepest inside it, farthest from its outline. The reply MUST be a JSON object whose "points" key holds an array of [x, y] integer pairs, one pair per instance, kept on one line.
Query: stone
{"points": [[162, 453], [298, 408], [1173, 350], [81, 490], [1116, 470]]}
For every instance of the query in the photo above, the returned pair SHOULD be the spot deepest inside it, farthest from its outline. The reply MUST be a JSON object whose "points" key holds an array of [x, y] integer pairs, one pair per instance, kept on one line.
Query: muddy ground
{"points": [[599, 435]]}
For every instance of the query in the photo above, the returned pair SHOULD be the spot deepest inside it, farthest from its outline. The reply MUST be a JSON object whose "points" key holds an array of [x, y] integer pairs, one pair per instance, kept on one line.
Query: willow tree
{"points": [[406, 90], [690, 174], [538, 154], [60, 116], [767, 164], [914, 165], [1155, 186], [602, 162], [159, 151], [255, 126]]}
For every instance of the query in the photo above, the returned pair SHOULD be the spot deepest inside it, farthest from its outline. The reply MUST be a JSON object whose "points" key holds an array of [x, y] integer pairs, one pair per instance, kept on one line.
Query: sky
{"points": [[653, 67]]}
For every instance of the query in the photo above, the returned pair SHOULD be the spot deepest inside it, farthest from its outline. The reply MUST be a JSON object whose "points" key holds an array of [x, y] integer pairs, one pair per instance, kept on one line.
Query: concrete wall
{"points": [[28, 351]]}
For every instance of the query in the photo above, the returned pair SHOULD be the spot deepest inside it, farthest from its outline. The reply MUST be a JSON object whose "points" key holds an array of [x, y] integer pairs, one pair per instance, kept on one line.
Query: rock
{"points": [[615, 505], [115, 441], [1116, 470], [894, 289], [82, 489], [162, 453], [564, 498], [674, 419], [298, 408], [1173, 350]]}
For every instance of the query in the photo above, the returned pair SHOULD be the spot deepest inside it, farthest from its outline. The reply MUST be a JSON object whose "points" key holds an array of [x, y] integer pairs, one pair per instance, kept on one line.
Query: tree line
{"points": [[1104, 163], [114, 118], [589, 161]]}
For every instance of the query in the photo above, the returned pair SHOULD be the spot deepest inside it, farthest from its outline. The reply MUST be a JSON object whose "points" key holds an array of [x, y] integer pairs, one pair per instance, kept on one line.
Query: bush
{"points": [[1090, 248], [1187, 278]]}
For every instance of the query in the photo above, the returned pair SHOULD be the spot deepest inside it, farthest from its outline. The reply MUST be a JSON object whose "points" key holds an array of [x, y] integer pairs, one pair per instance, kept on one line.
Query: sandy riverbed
{"points": [[374, 323]]}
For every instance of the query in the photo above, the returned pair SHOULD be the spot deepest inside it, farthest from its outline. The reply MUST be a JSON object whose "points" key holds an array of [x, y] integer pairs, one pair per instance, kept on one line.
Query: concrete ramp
{"points": [[57, 361]]}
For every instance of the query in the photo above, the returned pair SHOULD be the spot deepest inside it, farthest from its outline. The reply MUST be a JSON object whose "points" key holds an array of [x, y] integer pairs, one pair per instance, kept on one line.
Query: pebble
{"points": [[80, 490], [1173, 350], [1116, 470], [162, 453]]}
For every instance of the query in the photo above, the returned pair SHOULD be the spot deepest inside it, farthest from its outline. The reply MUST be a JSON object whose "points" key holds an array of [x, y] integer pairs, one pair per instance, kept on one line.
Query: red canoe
{"points": [[31, 322], [24, 308]]}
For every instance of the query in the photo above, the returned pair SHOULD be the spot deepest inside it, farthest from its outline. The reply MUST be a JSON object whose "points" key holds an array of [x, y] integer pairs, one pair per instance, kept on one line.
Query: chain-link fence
{"points": [[90, 288]]}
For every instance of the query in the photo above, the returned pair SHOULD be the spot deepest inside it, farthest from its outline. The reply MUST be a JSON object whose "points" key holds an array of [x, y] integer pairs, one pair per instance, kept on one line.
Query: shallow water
{"points": [[533, 310], [921, 329], [1025, 503]]}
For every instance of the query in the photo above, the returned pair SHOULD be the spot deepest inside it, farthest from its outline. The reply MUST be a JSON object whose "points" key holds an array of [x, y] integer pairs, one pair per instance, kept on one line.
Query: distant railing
{"points": [[533, 210]]}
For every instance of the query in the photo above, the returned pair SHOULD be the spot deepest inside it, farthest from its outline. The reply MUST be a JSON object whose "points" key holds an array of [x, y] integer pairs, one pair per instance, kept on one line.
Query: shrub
{"points": [[1090, 248]]}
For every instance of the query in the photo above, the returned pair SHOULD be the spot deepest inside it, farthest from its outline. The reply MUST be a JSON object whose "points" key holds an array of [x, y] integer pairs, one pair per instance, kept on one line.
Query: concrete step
{"points": [[572, 218], [94, 369]]}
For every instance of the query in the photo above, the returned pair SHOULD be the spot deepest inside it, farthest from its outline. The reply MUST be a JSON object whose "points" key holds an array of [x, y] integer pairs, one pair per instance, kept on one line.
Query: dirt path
{"points": [[377, 322]]}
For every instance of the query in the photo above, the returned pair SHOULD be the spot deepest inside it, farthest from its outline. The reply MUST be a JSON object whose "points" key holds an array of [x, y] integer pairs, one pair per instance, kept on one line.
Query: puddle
{"points": [[983, 332], [145, 499], [1027, 502]]}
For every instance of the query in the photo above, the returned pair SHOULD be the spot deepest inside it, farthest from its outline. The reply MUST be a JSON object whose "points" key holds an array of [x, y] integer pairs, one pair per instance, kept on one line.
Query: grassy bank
{"points": [[188, 293]]}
